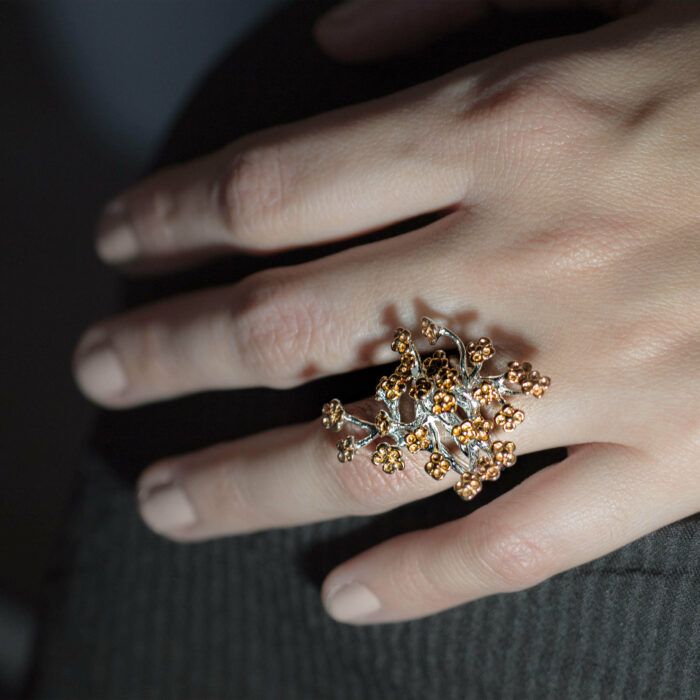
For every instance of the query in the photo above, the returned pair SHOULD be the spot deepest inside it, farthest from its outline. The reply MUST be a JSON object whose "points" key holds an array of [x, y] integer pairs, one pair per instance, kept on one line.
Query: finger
{"points": [[278, 328], [598, 499], [289, 476], [366, 30], [324, 178]]}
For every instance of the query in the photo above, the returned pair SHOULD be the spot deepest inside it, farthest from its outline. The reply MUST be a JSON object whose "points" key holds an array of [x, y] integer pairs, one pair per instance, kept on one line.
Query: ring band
{"points": [[451, 400]]}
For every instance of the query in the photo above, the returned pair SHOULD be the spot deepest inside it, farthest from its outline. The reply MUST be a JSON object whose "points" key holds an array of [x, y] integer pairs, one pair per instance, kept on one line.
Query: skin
{"points": [[569, 168]]}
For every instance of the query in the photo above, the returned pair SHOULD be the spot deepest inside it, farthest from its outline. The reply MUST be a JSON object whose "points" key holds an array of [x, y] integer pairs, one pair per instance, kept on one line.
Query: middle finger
{"points": [[277, 328]]}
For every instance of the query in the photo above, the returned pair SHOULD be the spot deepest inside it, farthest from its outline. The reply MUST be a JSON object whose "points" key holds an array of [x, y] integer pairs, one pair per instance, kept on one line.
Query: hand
{"points": [[570, 174]]}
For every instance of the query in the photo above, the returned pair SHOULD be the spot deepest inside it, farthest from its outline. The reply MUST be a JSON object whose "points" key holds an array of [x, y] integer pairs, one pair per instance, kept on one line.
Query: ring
{"points": [[451, 401]]}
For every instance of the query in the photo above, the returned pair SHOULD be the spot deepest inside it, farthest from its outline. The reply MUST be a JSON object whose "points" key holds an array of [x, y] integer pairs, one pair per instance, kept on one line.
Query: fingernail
{"points": [[116, 241], [351, 601], [165, 507], [99, 372]]}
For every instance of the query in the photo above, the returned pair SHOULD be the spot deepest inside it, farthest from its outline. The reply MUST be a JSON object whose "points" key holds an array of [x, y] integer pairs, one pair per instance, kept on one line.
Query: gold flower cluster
{"points": [[451, 399]]}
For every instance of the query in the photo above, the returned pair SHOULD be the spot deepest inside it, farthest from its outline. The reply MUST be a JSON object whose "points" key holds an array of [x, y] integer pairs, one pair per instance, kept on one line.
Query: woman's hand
{"points": [[570, 171]]}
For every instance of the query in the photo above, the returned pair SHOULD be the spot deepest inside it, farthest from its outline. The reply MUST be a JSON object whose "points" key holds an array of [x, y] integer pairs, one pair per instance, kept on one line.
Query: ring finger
{"points": [[289, 476]]}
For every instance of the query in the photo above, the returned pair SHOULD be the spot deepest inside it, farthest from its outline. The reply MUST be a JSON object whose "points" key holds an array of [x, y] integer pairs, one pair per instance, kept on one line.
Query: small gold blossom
{"points": [[333, 416], [468, 486], [388, 457], [405, 365], [509, 417], [429, 330], [420, 388], [480, 351], [383, 423], [485, 394], [446, 378], [516, 371], [437, 466], [538, 386], [401, 342], [392, 386], [346, 449], [444, 402], [418, 439], [487, 470], [530, 380], [435, 362], [503, 453], [476, 429]]}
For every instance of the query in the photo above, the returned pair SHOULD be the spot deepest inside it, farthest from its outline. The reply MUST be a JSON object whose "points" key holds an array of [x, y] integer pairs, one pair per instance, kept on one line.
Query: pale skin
{"points": [[569, 174]]}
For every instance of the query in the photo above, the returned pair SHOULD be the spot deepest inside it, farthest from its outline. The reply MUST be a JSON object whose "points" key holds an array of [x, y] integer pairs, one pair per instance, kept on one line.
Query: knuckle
{"points": [[418, 575], [508, 556], [253, 192], [226, 501], [151, 355], [278, 327], [430, 576], [529, 117], [152, 209]]}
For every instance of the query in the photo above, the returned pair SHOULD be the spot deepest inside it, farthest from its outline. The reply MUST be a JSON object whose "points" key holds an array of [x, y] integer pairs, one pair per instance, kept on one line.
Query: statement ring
{"points": [[452, 402]]}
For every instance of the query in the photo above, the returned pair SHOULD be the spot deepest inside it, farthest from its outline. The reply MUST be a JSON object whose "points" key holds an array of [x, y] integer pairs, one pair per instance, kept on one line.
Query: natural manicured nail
{"points": [[165, 507], [99, 372], [116, 241], [351, 601]]}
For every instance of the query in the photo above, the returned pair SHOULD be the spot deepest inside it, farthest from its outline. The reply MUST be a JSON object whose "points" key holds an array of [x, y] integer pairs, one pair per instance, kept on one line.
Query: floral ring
{"points": [[452, 401]]}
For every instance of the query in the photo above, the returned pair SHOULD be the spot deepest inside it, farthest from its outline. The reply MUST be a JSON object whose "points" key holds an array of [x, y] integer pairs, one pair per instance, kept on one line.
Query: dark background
{"points": [[89, 90]]}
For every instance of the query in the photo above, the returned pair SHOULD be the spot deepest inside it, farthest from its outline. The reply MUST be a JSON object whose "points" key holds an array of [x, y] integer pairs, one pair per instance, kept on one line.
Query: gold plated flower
{"points": [[393, 386], [420, 388], [346, 449], [429, 330], [485, 393], [530, 380], [509, 418], [333, 416], [437, 466], [405, 365], [435, 362], [418, 439], [480, 351], [517, 370], [446, 378], [487, 470], [476, 429], [468, 486], [503, 453], [388, 457], [402, 338], [444, 402], [383, 423]]}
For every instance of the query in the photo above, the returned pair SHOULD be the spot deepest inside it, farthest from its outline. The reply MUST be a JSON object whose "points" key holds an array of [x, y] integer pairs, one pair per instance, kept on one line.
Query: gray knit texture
{"points": [[139, 617]]}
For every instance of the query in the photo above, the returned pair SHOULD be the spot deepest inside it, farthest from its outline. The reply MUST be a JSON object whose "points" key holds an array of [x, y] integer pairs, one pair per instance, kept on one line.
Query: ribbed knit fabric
{"points": [[140, 617], [131, 615]]}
